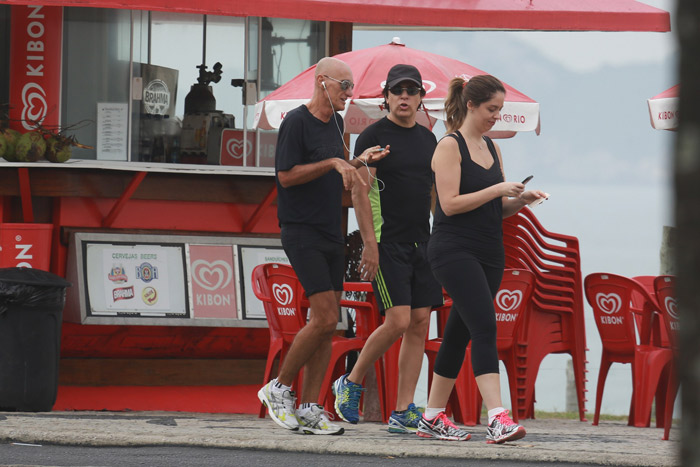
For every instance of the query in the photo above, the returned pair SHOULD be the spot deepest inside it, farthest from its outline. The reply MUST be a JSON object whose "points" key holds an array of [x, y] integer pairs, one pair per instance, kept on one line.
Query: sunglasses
{"points": [[398, 90], [345, 84]]}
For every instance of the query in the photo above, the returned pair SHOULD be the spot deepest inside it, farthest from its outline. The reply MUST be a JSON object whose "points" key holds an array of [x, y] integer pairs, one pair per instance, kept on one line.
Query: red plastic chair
{"points": [[555, 321], [278, 344], [512, 303], [665, 288], [285, 304], [610, 297], [652, 330]]}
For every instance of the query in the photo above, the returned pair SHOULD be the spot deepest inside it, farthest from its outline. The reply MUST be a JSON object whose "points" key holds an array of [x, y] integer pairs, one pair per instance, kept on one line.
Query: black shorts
{"points": [[405, 278], [318, 262]]}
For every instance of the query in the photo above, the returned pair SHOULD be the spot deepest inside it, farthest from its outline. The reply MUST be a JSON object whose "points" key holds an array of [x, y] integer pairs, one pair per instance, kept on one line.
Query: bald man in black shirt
{"points": [[311, 174]]}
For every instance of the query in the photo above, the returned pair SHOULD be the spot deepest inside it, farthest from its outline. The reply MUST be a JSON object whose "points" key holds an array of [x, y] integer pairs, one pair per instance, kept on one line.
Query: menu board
{"points": [[112, 131]]}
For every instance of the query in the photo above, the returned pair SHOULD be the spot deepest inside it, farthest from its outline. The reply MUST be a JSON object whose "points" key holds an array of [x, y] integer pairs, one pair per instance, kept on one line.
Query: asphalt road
{"points": [[16, 454]]}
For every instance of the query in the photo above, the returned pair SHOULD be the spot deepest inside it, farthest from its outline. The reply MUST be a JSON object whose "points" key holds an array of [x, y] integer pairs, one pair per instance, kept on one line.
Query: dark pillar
{"points": [[687, 180]]}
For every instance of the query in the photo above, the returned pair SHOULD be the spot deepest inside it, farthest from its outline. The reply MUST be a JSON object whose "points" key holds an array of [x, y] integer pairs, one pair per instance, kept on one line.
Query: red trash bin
{"points": [[25, 245]]}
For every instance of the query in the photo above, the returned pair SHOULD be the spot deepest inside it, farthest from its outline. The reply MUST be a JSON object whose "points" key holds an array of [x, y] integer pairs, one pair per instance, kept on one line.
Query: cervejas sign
{"points": [[35, 66]]}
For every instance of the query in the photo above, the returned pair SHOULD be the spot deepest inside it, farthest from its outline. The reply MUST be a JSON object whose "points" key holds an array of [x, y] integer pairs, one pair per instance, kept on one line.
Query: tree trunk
{"points": [[687, 180]]}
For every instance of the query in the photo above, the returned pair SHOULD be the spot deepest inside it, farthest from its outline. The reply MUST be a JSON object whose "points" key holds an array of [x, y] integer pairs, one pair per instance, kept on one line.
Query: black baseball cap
{"points": [[400, 73]]}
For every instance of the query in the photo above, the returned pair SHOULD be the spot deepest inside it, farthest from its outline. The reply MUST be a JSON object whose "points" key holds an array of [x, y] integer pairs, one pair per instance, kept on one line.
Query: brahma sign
{"points": [[35, 61]]}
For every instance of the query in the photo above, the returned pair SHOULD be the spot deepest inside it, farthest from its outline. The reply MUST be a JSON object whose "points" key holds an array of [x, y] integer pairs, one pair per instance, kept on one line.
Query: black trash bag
{"points": [[31, 314], [31, 288]]}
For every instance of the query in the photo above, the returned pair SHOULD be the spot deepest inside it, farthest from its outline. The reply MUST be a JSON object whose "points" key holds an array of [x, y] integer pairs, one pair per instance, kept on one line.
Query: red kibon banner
{"points": [[35, 66]]}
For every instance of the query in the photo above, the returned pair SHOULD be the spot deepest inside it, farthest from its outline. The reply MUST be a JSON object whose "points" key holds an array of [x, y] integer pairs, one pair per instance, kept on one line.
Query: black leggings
{"points": [[472, 287]]}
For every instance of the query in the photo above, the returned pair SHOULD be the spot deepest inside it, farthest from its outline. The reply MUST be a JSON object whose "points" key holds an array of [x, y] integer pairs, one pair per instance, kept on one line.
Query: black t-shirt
{"points": [[401, 211], [304, 139]]}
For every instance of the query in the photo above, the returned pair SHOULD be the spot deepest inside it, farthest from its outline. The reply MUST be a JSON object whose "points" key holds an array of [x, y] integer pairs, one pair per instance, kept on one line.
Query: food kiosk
{"points": [[168, 198]]}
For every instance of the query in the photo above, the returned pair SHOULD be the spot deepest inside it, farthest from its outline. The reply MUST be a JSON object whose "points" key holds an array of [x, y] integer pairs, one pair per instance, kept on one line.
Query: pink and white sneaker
{"points": [[503, 429], [441, 427]]}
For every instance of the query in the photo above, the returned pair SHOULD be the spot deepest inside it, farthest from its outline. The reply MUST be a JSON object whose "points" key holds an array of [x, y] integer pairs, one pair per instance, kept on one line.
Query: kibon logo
{"points": [[156, 97], [212, 276], [283, 293], [508, 300], [671, 307], [608, 303], [234, 148], [34, 106], [24, 256]]}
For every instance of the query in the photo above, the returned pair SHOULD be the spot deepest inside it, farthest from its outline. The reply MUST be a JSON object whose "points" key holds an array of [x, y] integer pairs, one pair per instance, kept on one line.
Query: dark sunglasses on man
{"points": [[398, 90], [345, 84]]}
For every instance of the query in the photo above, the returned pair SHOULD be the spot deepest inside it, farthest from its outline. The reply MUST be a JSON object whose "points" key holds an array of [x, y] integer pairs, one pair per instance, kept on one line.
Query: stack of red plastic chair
{"points": [[511, 304], [665, 289], [285, 304], [610, 296], [555, 316]]}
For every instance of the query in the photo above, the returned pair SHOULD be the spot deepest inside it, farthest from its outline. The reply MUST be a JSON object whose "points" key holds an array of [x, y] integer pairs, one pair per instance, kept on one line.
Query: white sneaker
{"points": [[280, 405], [314, 421], [441, 427], [503, 429]]}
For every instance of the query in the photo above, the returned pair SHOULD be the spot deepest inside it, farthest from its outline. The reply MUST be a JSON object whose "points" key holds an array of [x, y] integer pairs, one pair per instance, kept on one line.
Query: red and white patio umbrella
{"points": [[663, 109], [369, 69]]}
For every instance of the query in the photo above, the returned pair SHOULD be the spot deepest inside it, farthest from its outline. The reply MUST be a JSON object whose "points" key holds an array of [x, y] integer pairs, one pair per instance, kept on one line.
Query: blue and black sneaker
{"points": [[347, 399], [406, 421]]}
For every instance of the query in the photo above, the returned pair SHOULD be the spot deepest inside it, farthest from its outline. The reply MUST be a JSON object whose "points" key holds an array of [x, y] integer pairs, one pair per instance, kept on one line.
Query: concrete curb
{"points": [[610, 443]]}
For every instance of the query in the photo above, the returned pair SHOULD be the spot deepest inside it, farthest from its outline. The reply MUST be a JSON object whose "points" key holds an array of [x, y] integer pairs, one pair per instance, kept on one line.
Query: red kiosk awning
{"points": [[544, 15]]}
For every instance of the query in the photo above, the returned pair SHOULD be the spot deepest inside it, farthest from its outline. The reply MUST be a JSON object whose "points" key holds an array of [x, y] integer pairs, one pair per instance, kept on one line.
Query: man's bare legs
{"points": [[396, 322], [413, 325], [312, 346], [411, 356], [399, 320]]}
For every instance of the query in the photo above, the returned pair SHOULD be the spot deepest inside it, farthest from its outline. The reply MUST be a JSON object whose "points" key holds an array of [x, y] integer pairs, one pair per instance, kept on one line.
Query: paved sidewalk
{"points": [[611, 443]]}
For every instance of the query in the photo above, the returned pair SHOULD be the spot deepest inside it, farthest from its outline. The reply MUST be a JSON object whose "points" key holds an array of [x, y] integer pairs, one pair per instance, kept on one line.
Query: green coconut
{"points": [[31, 147], [58, 149], [3, 145], [11, 137]]}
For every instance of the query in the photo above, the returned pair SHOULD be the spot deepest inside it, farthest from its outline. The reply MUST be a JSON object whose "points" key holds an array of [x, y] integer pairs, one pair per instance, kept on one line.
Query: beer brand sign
{"points": [[36, 37]]}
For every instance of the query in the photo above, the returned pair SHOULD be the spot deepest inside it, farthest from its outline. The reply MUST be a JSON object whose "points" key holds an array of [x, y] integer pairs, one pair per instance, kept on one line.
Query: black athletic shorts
{"points": [[318, 262], [405, 277]]}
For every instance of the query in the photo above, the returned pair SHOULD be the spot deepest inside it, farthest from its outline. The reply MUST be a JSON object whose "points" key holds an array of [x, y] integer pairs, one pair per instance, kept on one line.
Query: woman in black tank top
{"points": [[466, 252]]}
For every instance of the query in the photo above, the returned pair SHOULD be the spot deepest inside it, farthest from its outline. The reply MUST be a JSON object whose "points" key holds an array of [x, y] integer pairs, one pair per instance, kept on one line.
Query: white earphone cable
{"points": [[370, 177]]}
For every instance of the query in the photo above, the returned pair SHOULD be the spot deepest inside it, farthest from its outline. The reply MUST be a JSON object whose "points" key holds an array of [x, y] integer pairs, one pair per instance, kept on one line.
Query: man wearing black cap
{"points": [[393, 214]]}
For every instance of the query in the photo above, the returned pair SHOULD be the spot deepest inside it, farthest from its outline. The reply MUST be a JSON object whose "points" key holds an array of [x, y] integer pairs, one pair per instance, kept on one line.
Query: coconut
{"points": [[31, 147], [58, 149], [11, 137], [3, 145]]}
